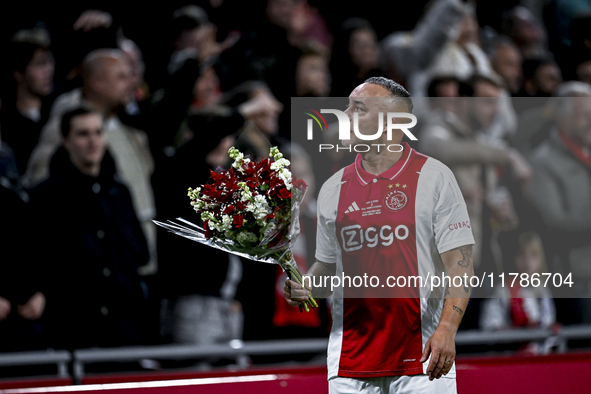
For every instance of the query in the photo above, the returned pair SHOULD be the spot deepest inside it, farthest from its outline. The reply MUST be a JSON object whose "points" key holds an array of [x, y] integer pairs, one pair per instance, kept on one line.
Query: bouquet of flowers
{"points": [[251, 210]]}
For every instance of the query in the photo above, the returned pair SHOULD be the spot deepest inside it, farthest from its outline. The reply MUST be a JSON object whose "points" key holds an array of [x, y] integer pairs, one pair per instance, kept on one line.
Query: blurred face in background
{"points": [[547, 78], [443, 91], [584, 72], [38, 75], [134, 57], [206, 91], [267, 120], [86, 142], [363, 49], [577, 122], [196, 38], [485, 103], [526, 29], [469, 30], [114, 81], [530, 258], [312, 76], [507, 63]]}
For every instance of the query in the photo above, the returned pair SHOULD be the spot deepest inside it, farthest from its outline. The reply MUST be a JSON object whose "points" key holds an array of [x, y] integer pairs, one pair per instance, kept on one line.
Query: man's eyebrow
{"points": [[359, 102]]}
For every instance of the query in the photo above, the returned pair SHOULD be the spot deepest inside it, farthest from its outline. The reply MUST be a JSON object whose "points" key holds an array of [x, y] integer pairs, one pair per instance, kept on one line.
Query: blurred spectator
{"points": [[261, 111], [93, 240], [21, 301], [506, 62], [194, 86], [407, 55], [526, 32], [107, 85], [454, 135], [517, 306], [541, 76], [192, 34], [443, 87], [140, 89], [199, 293], [583, 71], [561, 192], [355, 56], [308, 27], [536, 124], [461, 57], [312, 77], [25, 110], [494, 115]]}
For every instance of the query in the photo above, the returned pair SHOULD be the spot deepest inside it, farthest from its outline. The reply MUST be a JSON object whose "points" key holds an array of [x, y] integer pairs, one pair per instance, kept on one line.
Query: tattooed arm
{"points": [[441, 345]]}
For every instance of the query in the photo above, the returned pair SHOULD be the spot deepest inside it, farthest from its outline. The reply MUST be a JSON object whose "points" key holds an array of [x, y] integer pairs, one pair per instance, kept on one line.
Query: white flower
{"points": [[280, 164], [275, 154], [239, 159], [226, 223], [259, 207], [285, 176]]}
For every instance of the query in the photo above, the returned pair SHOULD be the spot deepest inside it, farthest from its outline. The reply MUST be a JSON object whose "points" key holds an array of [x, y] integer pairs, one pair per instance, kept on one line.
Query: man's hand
{"points": [[4, 308], [294, 293], [33, 308], [442, 348]]}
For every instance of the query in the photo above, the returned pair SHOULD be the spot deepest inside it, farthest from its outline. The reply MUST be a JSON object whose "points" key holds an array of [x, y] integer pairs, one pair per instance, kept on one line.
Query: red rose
{"points": [[229, 209], [238, 220], [284, 193]]}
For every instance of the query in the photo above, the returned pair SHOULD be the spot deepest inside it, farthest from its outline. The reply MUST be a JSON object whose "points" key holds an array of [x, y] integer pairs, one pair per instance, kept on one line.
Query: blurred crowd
{"points": [[103, 128]]}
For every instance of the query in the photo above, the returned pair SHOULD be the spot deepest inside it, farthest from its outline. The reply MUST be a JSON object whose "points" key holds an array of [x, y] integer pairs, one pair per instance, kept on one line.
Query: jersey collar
{"points": [[366, 178]]}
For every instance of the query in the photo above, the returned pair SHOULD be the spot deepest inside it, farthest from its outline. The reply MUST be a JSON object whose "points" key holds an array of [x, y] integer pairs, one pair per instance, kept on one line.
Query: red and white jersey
{"points": [[396, 223]]}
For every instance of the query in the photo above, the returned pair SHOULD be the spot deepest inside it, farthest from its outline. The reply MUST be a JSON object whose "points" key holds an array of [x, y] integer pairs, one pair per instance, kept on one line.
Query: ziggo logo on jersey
{"points": [[354, 237]]}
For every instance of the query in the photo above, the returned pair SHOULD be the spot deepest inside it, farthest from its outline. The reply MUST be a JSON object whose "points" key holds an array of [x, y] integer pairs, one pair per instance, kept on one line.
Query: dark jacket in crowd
{"points": [[21, 133], [19, 274], [92, 246]]}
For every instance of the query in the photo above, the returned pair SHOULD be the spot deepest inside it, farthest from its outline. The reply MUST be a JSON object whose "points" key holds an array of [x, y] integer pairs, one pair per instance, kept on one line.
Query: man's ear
{"points": [[386, 121]]}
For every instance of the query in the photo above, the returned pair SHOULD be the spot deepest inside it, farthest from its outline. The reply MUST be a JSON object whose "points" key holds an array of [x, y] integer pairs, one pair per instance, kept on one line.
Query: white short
{"points": [[408, 384]]}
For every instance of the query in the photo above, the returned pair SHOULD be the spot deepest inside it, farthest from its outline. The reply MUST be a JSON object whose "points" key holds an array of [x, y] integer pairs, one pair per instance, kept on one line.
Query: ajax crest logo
{"points": [[395, 200]]}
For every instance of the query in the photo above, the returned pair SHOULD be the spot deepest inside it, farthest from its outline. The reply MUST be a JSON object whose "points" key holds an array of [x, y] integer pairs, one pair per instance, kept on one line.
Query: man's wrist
{"points": [[450, 327]]}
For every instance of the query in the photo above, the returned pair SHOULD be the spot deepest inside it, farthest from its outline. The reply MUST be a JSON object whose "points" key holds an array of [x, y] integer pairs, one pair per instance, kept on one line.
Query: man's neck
{"points": [[98, 104], [378, 162], [26, 101], [89, 170]]}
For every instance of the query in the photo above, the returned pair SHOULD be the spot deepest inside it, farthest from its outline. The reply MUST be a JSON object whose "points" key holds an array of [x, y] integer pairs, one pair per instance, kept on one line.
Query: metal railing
{"points": [[60, 358], [236, 349]]}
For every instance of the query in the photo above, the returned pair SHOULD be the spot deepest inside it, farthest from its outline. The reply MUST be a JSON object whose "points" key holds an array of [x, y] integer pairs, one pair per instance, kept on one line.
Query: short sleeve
{"points": [[326, 242], [451, 223]]}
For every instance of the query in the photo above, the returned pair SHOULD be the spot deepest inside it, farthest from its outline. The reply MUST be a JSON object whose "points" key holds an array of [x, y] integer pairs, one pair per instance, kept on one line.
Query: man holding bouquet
{"points": [[393, 214]]}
